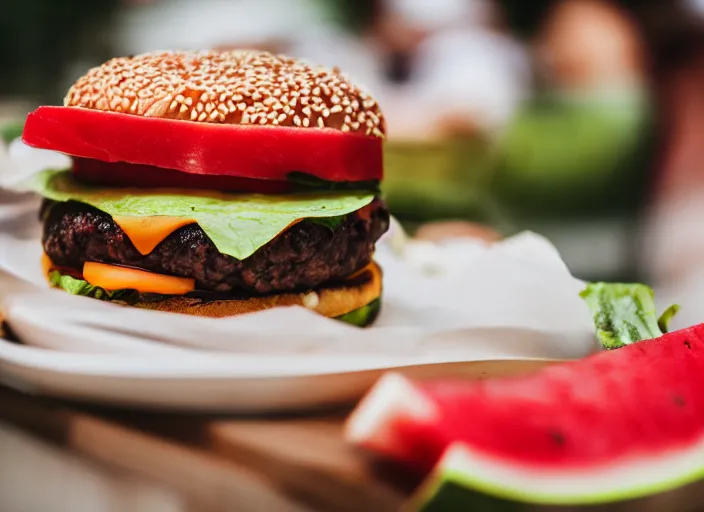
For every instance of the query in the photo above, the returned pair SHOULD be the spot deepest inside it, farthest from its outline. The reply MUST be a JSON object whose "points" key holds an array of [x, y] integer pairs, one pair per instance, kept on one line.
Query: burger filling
{"points": [[225, 182], [307, 255]]}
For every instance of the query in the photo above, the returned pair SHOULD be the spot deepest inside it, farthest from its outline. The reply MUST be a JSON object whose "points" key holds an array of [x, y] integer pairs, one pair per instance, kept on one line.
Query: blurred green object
{"points": [[353, 15], [563, 157], [437, 180], [576, 156], [11, 131]]}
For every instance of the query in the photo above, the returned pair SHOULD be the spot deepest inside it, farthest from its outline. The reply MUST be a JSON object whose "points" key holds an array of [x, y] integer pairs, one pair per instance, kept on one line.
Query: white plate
{"points": [[458, 306], [216, 383]]}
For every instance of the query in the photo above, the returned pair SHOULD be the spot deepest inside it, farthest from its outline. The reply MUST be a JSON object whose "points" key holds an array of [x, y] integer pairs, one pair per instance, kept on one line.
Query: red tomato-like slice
{"points": [[120, 174], [256, 152]]}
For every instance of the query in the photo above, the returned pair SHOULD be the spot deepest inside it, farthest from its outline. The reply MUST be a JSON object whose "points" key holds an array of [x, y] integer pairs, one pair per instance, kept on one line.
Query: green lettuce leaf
{"points": [[363, 316], [238, 224], [625, 313], [80, 287]]}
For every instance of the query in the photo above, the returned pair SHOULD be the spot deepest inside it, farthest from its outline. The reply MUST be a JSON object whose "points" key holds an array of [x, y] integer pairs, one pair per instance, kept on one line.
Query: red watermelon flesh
{"points": [[599, 412]]}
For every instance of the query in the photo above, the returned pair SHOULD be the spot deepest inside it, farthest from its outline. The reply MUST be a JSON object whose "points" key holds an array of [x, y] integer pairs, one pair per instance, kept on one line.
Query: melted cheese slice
{"points": [[112, 277], [146, 233], [47, 264]]}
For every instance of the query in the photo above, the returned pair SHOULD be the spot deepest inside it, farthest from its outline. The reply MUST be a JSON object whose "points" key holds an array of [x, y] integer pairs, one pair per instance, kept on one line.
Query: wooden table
{"points": [[185, 463]]}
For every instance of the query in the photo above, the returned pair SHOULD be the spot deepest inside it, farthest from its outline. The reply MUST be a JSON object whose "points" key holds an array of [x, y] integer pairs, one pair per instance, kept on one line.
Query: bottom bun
{"points": [[357, 300]]}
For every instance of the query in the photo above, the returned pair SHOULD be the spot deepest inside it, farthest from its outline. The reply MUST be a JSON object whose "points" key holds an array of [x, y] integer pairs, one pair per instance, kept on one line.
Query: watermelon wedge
{"points": [[619, 425]]}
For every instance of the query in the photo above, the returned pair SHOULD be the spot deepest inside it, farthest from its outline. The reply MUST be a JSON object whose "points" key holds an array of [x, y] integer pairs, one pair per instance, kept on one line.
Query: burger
{"points": [[214, 184]]}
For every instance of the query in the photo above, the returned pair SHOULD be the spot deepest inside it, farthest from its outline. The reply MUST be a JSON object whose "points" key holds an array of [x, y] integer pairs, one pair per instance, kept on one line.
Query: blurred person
{"points": [[442, 59], [450, 70], [591, 44], [673, 242]]}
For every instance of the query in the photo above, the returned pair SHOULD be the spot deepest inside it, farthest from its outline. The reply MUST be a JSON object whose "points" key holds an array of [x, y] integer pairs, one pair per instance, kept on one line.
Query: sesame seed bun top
{"points": [[234, 87]]}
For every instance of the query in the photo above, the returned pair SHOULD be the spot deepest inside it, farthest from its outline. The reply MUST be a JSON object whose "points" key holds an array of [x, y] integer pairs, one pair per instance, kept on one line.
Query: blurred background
{"points": [[580, 119]]}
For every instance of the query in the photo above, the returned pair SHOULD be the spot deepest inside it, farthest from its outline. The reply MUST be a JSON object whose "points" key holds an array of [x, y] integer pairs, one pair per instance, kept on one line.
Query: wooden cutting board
{"points": [[221, 462]]}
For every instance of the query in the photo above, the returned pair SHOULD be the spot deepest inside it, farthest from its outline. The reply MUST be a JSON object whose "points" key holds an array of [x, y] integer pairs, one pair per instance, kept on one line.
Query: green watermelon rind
{"points": [[449, 480]]}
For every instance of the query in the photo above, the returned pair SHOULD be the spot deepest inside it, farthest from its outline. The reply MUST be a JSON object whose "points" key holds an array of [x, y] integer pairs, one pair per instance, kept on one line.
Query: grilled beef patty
{"points": [[304, 256]]}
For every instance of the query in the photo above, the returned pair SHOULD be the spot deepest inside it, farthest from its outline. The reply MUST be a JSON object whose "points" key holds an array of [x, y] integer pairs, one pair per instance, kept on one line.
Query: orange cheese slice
{"points": [[146, 233], [47, 264], [112, 277]]}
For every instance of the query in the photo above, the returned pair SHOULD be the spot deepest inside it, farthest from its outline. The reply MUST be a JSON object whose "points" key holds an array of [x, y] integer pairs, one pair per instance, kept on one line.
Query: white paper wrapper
{"points": [[459, 300]]}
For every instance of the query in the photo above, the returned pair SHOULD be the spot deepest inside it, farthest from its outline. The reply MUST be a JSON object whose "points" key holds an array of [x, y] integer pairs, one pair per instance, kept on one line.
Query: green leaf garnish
{"points": [[625, 313], [664, 320]]}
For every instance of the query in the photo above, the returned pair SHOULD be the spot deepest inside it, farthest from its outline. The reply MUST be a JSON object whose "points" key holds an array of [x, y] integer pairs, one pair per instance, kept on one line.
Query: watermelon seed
{"points": [[688, 344], [679, 401], [558, 438]]}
